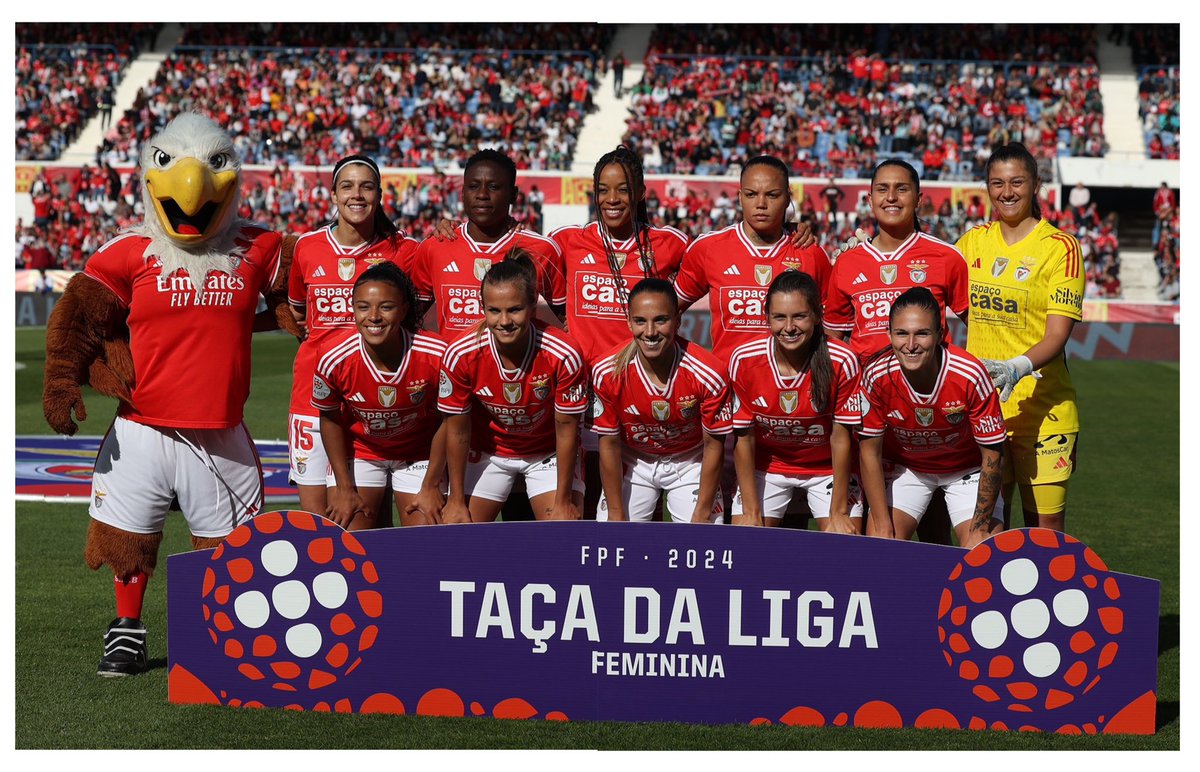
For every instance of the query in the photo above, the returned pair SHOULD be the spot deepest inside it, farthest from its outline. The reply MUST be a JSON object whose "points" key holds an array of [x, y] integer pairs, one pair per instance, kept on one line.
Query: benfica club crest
{"points": [[541, 388], [387, 395], [1024, 269], [416, 393], [661, 409], [762, 274], [619, 259], [482, 266], [917, 272], [512, 393], [925, 416], [887, 274], [791, 265], [687, 407], [955, 413], [788, 401], [345, 268], [998, 266]]}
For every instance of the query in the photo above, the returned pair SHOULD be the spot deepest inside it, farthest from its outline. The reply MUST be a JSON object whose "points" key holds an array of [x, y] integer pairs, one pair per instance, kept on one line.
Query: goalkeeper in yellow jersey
{"points": [[1026, 291]]}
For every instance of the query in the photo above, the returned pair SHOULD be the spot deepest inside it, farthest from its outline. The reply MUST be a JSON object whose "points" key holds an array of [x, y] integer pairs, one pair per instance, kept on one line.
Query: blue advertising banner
{"points": [[664, 622]]}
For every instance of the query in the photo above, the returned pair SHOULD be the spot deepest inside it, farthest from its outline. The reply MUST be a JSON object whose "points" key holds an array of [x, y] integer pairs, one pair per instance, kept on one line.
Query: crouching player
{"points": [[932, 421], [374, 390]]}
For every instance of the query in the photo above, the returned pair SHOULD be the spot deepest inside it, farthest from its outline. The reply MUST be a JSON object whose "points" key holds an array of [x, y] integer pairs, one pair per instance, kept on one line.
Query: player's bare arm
{"points": [[743, 465]]}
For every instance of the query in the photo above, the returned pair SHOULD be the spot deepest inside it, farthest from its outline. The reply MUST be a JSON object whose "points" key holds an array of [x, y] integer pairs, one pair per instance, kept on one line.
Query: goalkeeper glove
{"points": [[1006, 373], [860, 236]]}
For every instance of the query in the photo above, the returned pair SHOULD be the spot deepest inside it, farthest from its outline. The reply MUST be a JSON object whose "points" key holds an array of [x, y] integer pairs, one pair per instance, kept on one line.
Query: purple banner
{"points": [[664, 622]]}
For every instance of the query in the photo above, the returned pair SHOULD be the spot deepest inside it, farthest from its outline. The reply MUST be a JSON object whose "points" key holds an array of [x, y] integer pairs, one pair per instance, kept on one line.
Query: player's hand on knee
{"points": [[455, 513], [860, 236], [564, 511], [842, 524], [62, 397]]}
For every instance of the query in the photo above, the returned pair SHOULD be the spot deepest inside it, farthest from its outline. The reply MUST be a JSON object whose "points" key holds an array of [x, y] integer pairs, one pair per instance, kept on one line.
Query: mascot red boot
{"points": [[182, 289]]}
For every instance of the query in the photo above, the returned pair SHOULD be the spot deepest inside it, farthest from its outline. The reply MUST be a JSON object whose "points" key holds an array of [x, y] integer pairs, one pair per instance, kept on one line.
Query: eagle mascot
{"points": [[161, 319]]}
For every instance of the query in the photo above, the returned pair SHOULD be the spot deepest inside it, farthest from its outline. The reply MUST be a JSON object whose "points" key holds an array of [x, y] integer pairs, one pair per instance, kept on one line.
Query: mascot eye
{"points": [[218, 160], [160, 158]]}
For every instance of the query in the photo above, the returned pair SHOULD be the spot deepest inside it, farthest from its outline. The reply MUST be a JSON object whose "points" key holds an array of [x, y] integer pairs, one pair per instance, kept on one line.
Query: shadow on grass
{"points": [[1168, 633], [1165, 714]]}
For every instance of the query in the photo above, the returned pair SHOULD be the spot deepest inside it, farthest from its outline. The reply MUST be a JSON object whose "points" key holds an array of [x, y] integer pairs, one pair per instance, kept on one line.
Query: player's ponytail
{"points": [[651, 284], [390, 273], [815, 354], [635, 179], [1017, 152]]}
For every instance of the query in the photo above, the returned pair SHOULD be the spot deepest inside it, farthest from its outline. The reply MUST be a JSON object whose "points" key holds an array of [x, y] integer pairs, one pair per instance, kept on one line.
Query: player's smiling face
{"points": [[507, 311], [616, 199], [379, 310], [894, 199], [915, 337], [791, 320], [1010, 187], [488, 192], [356, 195], [764, 198], [653, 321]]}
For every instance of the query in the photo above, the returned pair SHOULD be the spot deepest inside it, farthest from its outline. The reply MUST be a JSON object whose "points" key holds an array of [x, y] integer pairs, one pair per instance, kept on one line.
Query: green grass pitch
{"points": [[1124, 503]]}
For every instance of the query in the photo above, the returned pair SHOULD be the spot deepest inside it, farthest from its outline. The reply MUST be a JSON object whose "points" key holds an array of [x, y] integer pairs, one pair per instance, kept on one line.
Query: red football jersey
{"points": [[449, 272], [791, 437], [520, 404], [191, 351], [666, 421], [734, 272], [321, 279], [866, 281], [394, 414], [926, 432], [593, 298]]}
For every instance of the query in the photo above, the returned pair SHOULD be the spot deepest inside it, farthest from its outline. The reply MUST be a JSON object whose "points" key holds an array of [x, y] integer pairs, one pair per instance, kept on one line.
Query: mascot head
{"points": [[191, 183]]}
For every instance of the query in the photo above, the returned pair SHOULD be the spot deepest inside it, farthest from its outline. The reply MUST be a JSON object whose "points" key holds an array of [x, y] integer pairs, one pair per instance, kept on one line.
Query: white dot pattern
{"points": [[291, 599], [1041, 660], [989, 629], [303, 641], [1071, 607], [1019, 576], [279, 558], [252, 609], [330, 589]]}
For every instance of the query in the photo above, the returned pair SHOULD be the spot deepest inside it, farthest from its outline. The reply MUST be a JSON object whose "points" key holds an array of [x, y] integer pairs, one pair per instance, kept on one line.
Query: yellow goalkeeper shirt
{"points": [[1013, 289]]}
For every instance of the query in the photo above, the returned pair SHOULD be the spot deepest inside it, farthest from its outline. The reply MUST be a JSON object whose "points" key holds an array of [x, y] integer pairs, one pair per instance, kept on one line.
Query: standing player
{"points": [[325, 265], [448, 272], [932, 422], [1027, 287], [795, 406], [375, 389], [601, 260], [662, 412], [867, 278], [734, 265], [513, 390]]}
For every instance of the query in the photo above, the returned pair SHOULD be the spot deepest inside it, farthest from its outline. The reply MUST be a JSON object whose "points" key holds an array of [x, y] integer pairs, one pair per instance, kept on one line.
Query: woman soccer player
{"points": [[932, 421], [600, 261], [734, 265], [795, 406], [373, 389], [661, 408], [867, 278], [1027, 286], [325, 265], [513, 390]]}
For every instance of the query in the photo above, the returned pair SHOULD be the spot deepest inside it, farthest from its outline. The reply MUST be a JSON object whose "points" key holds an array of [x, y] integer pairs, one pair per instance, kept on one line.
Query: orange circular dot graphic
{"points": [[1082, 642], [352, 544], [1056, 699], [936, 718], [958, 644], [369, 573], [440, 702], [301, 520], [978, 590], [1022, 690], [1044, 537], [240, 570], [1009, 541], [1111, 589], [233, 649], [250, 671], [1112, 619], [878, 714], [210, 580], [978, 556], [1000, 667], [341, 624], [1090, 581], [1076, 673], [1062, 567], [985, 693], [1093, 559], [558, 715], [238, 537], [959, 615], [944, 602], [320, 551], [268, 523], [285, 669], [264, 646], [382, 703], [1107, 655], [802, 716], [371, 603], [968, 670], [222, 594], [222, 622], [338, 655]]}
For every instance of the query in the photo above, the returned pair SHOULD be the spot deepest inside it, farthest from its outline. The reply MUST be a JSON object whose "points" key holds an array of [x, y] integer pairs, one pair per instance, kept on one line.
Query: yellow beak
{"points": [[190, 199]]}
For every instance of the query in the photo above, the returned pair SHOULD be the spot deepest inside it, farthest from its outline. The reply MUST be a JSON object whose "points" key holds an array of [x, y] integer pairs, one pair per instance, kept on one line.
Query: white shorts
{"points": [[306, 453], [215, 474], [407, 476], [647, 477], [777, 490], [911, 491], [491, 477]]}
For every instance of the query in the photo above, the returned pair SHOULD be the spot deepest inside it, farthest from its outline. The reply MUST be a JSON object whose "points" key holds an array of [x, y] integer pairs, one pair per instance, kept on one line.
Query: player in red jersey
{"points": [[661, 408], [734, 265], [374, 389], [795, 405], [448, 272], [867, 278], [513, 390], [601, 261], [325, 265], [932, 421]]}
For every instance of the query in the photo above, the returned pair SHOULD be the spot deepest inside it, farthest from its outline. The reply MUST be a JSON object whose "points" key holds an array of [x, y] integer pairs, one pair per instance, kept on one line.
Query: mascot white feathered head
{"points": [[191, 185]]}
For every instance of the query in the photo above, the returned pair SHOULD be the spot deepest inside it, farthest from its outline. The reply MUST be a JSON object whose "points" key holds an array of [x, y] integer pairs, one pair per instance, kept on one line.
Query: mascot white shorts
{"points": [[215, 474]]}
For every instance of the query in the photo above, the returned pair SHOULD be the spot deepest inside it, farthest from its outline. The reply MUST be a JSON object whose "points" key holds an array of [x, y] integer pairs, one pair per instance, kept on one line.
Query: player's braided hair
{"points": [[912, 174], [815, 354], [390, 273], [631, 166], [1015, 151], [649, 284]]}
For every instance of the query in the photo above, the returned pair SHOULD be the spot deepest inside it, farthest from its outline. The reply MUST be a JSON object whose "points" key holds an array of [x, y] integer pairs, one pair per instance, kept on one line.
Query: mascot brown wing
{"points": [[277, 297], [86, 342]]}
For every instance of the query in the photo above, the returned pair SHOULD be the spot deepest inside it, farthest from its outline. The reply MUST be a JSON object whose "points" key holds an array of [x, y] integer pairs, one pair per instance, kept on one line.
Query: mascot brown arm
{"points": [[85, 343], [278, 315]]}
